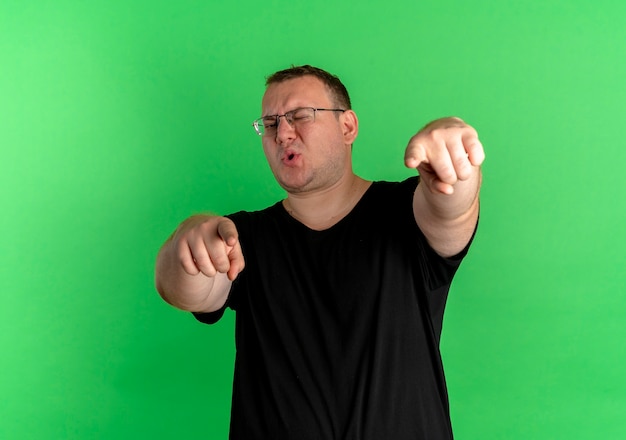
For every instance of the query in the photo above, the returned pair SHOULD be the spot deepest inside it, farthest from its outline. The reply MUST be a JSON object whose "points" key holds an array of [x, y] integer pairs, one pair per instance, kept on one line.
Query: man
{"points": [[340, 306]]}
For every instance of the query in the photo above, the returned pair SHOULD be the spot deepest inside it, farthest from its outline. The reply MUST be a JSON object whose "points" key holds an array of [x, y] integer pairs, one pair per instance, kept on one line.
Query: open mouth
{"points": [[290, 157]]}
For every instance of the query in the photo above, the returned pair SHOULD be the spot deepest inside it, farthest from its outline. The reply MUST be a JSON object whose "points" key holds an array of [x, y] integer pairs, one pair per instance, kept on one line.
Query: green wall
{"points": [[118, 119]]}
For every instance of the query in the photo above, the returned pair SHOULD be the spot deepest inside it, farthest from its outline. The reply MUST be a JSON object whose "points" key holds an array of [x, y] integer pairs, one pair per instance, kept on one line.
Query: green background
{"points": [[119, 119]]}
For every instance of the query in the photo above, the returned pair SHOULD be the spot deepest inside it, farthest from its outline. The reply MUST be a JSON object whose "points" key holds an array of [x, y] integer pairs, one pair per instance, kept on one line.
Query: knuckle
{"points": [[461, 163], [205, 265], [463, 170], [447, 174], [220, 261], [202, 260]]}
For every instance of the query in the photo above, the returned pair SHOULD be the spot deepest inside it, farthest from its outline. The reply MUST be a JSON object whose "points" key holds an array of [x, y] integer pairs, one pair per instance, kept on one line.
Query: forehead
{"points": [[298, 92]]}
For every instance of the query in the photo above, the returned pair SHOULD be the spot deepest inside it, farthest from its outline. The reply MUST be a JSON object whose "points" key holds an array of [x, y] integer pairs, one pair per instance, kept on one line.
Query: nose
{"points": [[284, 131]]}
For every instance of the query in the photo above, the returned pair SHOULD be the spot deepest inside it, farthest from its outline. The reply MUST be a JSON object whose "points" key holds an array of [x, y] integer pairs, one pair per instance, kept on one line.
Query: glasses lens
{"points": [[302, 115], [267, 125]]}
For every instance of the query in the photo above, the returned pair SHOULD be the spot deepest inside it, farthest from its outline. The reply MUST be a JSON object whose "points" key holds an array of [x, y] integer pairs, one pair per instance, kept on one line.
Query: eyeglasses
{"points": [[268, 125]]}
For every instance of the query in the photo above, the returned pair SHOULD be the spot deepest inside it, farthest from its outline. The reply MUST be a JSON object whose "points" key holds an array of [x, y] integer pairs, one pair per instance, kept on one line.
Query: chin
{"points": [[294, 187], [291, 183]]}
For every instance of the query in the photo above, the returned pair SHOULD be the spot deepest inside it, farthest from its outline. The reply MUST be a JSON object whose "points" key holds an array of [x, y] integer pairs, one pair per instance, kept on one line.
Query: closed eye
{"points": [[269, 122]]}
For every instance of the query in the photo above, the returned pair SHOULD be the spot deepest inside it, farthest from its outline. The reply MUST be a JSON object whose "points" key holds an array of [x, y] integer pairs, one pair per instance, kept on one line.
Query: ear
{"points": [[350, 126]]}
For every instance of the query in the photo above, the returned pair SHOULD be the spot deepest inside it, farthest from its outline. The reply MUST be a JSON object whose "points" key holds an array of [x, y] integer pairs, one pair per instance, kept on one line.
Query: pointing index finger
{"points": [[227, 230]]}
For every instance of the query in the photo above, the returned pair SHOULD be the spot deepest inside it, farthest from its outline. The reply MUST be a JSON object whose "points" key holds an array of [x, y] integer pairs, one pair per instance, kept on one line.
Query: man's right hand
{"points": [[209, 245], [196, 266]]}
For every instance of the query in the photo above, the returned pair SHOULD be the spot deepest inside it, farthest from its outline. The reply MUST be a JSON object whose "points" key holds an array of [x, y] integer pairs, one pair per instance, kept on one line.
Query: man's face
{"points": [[313, 156]]}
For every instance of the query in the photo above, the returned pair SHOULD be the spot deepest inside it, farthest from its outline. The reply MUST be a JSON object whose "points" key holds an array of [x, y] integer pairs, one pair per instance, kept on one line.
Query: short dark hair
{"points": [[338, 91]]}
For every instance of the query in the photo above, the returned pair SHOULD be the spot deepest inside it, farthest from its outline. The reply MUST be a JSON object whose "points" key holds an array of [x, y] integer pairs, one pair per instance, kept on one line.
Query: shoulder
{"points": [[260, 229], [395, 189], [247, 218], [386, 185], [393, 197]]}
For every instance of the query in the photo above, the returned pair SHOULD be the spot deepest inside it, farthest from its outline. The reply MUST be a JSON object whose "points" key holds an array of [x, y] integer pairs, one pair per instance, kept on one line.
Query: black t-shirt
{"points": [[337, 331]]}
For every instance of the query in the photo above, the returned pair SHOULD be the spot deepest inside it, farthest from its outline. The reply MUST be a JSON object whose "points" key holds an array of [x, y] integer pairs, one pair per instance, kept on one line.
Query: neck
{"points": [[322, 209]]}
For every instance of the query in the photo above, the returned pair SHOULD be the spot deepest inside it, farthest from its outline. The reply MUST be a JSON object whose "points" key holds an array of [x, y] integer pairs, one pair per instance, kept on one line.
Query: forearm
{"points": [[450, 207], [448, 220]]}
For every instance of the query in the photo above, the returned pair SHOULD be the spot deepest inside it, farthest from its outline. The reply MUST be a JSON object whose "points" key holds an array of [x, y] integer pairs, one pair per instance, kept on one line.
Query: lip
{"points": [[290, 157]]}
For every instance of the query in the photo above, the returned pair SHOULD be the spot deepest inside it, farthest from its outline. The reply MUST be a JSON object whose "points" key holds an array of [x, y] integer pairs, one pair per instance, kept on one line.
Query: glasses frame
{"points": [[289, 117]]}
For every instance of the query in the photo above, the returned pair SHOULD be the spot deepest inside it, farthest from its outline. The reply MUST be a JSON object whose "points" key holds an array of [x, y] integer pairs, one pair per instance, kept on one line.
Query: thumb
{"points": [[228, 232], [237, 262]]}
